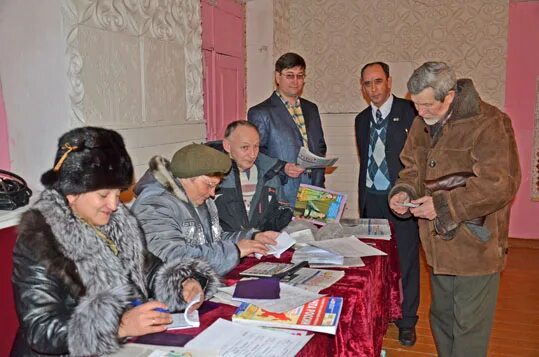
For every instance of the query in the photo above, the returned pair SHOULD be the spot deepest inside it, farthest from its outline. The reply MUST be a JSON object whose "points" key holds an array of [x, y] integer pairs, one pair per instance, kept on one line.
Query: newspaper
{"points": [[308, 160], [319, 205]]}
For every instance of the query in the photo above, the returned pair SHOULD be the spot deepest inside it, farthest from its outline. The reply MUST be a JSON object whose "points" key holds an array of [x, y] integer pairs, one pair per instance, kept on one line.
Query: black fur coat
{"points": [[71, 291]]}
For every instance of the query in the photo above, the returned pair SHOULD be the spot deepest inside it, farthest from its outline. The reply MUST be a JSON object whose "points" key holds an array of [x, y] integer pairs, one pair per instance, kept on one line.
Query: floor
{"points": [[516, 325]]}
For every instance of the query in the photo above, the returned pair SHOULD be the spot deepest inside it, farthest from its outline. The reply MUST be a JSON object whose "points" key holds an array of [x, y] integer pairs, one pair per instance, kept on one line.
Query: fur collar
{"points": [[467, 100], [97, 267], [160, 169]]}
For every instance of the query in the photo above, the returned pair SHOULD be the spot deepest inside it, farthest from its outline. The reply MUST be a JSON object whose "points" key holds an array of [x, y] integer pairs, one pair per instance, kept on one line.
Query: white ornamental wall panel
{"points": [[164, 81], [136, 66], [111, 78]]}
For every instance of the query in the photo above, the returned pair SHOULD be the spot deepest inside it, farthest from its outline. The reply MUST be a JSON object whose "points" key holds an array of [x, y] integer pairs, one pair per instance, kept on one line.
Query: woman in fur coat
{"points": [[80, 262]]}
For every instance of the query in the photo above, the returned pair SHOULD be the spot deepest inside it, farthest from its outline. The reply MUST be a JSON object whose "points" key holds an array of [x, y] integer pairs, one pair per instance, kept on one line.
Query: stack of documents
{"points": [[348, 247], [337, 252], [324, 258]]}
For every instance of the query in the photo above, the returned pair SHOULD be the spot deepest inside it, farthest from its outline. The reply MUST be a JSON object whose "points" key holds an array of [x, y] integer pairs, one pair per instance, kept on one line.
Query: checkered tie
{"points": [[378, 174]]}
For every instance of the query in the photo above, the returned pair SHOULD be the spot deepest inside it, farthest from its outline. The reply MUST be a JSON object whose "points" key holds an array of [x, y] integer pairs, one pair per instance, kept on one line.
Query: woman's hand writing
{"points": [[144, 319]]}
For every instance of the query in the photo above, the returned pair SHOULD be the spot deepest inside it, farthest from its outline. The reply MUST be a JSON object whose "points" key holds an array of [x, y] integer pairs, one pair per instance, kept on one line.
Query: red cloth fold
{"points": [[372, 298]]}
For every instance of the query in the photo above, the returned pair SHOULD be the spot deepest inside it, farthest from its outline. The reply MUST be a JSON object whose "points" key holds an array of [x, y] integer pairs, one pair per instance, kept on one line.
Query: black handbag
{"points": [[14, 192]]}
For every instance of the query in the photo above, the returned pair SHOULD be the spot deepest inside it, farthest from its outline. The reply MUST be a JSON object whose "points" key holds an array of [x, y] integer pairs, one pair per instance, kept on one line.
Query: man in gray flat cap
{"points": [[177, 213]]}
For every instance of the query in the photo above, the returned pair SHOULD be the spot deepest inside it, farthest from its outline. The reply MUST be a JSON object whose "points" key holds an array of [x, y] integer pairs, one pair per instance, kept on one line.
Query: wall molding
{"points": [[133, 63]]}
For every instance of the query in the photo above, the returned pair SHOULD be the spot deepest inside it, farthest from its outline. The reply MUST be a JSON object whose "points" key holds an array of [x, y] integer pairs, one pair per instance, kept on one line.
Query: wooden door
{"points": [[223, 45]]}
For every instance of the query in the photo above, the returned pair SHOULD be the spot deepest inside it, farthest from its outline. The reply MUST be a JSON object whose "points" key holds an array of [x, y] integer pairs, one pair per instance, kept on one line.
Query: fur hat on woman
{"points": [[89, 159]]}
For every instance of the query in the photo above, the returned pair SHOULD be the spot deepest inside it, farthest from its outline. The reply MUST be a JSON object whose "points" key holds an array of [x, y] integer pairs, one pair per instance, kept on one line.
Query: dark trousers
{"points": [[461, 313], [407, 236]]}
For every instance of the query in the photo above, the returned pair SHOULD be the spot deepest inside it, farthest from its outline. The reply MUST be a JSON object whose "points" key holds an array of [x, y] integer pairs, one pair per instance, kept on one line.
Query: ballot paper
{"points": [[186, 319], [236, 340], [284, 241], [348, 247]]}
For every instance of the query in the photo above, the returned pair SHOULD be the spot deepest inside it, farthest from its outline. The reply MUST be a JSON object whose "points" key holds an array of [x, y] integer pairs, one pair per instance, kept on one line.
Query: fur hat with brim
{"points": [[89, 159], [197, 160]]}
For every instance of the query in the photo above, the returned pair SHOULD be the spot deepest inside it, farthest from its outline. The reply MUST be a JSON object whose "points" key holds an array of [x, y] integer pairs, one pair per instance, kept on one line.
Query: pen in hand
{"points": [[138, 302]]}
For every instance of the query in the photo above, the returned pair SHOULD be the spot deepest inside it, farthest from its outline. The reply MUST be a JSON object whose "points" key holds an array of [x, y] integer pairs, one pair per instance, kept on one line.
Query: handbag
{"points": [[14, 192]]}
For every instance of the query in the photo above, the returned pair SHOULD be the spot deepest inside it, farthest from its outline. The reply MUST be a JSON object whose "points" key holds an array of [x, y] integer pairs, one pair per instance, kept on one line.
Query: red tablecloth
{"points": [[371, 300]]}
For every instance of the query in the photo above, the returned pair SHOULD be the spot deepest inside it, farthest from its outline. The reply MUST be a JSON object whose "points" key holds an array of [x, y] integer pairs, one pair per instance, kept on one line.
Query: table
{"points": [[372, 298]]}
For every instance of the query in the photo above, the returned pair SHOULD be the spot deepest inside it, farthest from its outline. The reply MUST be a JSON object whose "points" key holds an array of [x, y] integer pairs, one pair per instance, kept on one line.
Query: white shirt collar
{"points": [[385, 108]]}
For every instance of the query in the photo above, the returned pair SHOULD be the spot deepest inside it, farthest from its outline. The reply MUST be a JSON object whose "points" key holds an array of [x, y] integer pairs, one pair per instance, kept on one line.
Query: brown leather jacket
{"points": [[477, 138]]}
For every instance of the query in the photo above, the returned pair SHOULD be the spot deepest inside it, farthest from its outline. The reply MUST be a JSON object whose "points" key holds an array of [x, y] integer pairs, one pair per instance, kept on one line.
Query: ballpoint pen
{"points": [[138, 302]]}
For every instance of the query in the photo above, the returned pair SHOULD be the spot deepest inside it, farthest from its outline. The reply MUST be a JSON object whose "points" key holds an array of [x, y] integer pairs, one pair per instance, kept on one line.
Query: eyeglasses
{"points": [[291, 76], [210, 184]]}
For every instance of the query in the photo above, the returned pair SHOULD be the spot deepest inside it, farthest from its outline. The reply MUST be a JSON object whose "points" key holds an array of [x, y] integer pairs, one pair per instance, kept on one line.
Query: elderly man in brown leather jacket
{"points": [[461, 172]]}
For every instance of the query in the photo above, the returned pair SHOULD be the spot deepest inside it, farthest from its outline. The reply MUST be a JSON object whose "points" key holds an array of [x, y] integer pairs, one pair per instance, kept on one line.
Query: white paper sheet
{"points": [[186, 319], [143, 350], [238, 340], [302, 237], [315, 255], [348, 247], [284, 241], [291, 297]]}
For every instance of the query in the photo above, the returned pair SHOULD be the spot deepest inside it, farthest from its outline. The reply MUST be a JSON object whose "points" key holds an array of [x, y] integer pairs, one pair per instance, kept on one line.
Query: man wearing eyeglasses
{"points": [[176, 210], [381, 131], [287, 122]]}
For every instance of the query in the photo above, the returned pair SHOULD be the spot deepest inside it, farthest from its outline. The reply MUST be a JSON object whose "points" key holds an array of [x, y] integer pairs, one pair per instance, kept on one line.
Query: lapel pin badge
{"points": [[396, 119]]}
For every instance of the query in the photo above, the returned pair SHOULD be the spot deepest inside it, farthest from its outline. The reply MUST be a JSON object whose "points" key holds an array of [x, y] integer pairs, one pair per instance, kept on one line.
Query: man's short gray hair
{"points": [[436, 75]]}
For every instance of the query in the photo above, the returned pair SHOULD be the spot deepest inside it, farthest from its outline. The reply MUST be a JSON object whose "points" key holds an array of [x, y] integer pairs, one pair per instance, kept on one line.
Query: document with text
{"points": [[236, 340]]}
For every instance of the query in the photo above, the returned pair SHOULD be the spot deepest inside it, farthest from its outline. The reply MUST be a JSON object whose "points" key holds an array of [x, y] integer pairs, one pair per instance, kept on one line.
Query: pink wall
{"points": [[4, 144], [520, 98]]}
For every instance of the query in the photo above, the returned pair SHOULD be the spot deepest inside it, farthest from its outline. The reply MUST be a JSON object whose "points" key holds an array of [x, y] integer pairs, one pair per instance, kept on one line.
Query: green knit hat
{"points": [[198, 159]]}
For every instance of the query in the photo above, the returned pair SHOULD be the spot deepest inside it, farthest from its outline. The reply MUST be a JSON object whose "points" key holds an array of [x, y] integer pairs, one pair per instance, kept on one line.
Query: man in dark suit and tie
{"points": [[287, 122], [381, 131]]}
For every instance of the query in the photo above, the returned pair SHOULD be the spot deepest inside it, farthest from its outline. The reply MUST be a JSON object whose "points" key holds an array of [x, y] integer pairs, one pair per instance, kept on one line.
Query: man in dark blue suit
{"points": [[381, 131], [287, 122]]}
